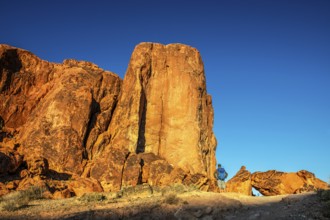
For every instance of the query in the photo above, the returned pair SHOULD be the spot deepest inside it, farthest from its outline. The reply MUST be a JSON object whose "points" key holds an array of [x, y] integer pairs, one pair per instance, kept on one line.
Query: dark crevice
{"points": [[54, 175], [161, 126], [141, 172], [10, 63], [123, 169], [2, 134], [140, 148], [112, 111], [2, 123], [95, 110]]}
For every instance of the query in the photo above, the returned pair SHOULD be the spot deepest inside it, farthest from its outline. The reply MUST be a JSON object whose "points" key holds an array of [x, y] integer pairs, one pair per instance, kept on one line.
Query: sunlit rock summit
{"points": [[74, 128]]}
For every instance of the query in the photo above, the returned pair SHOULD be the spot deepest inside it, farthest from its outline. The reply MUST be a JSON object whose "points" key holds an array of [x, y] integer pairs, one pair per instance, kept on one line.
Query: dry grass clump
{"points": [[16, 200], [171, 199], [92, 197], [177, 189]]}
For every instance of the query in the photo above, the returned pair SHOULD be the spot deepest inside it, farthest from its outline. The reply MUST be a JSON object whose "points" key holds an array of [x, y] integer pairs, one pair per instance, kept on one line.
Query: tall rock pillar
{"points": [[164, 108]]}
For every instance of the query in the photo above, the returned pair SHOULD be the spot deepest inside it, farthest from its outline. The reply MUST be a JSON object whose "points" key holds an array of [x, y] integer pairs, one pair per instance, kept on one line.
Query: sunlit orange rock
{"points": [[240, 183], [163, 109], [273, 182], [59, 120]]}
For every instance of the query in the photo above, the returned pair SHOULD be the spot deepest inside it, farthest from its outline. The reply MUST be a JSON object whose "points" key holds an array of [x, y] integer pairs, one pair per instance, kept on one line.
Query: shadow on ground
{"points": [[205, 206]]}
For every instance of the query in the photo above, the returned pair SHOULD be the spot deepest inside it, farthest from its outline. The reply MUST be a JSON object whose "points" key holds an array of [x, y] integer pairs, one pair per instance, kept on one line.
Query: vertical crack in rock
{"points": [[161, 126], [142, 120], [95, 110], [143, 80], [123, 169], [141, 172], [162, 114]]}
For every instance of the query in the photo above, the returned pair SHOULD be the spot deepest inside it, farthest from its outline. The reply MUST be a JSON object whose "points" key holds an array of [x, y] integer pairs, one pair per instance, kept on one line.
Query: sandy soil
{"points": [[188, 205]]}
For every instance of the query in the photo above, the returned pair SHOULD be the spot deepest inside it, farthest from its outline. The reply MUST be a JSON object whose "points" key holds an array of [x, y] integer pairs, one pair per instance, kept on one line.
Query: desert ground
{"points": [[179, 204]]}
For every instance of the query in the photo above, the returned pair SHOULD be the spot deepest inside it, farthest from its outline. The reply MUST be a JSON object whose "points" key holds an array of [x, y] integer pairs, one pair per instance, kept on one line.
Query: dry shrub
{"points": [[175, 188], [16, 200], [171, 199], [92, 197]]}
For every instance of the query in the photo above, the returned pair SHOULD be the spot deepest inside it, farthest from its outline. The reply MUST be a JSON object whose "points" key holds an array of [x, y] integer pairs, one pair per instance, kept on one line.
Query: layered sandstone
{"points": [[59, 121]]}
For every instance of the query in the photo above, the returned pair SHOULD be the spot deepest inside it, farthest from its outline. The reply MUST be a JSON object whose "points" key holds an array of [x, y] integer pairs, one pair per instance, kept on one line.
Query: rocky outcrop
{"points": [[76, 109], [59, 121], [273, 182], [240, 183], [51, 114], [163, 92], [58, 109]]}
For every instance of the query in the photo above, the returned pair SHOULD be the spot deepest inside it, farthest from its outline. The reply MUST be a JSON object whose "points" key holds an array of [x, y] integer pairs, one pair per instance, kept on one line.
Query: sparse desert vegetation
{"points": [[171, 199], [92, 197], [170, 202], [16, 200]]}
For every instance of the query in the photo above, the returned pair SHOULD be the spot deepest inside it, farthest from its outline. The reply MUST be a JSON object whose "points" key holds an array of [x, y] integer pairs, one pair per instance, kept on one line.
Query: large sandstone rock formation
{"points": [[54, 107], [59, 121], [163, 109]]}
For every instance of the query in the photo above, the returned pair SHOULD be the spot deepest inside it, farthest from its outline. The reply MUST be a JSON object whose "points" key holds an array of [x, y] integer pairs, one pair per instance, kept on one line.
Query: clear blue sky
{"points": [[267, 64]]}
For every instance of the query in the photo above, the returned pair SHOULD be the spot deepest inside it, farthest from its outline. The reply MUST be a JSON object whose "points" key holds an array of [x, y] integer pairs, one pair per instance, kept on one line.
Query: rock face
{"points": [[54, 107], [278, 183], [163, 109], [75, 119], [240, 183]]}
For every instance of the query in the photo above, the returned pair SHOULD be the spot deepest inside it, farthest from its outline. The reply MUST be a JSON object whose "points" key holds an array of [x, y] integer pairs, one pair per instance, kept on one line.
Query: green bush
{"points": [[16, 200]]}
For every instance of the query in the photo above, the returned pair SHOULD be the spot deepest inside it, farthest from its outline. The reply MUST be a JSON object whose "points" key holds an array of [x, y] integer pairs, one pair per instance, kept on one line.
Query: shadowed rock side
{"points": [[70, 123], [164, 110]]}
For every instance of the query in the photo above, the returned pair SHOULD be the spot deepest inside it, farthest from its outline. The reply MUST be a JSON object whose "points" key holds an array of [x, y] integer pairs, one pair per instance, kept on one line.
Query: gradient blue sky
{"points": [[267, 64]]}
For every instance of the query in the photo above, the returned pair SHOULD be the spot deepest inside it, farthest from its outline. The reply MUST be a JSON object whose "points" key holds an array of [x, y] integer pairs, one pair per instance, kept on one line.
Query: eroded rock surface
{"points": [[51, 114], [59, 121], [273, 182], [163, 109]]}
